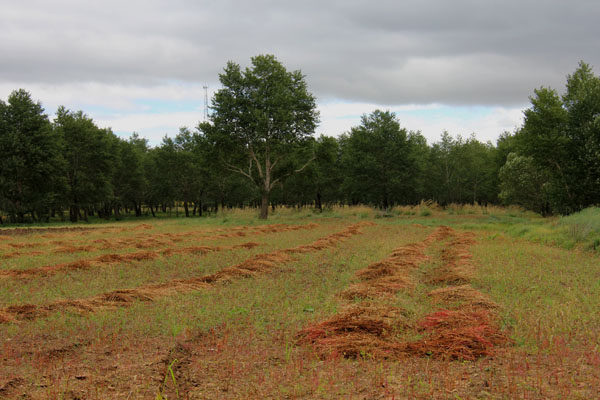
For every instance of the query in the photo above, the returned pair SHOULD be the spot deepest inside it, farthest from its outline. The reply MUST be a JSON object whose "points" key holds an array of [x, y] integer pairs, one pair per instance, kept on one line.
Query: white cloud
{"points": [[431, 119]]}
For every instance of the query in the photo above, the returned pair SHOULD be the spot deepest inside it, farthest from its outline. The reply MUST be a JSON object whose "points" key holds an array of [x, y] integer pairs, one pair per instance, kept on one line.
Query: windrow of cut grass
{"points": [[368, 329], [111, 258], [86, 283], [235, 339], [374, 329], [258, 264], [467, 328], [141, 241]]}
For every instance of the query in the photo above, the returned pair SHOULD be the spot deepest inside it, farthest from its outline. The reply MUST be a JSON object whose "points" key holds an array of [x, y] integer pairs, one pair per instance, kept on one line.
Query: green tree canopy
{"points": [[91, 155], [561, 135], [258, 119], [30, 160], [376, 159]]}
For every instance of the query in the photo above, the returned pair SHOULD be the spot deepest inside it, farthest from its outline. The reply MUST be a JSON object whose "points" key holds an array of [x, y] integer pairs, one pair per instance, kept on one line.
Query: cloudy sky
{"points": [[462, 66]]}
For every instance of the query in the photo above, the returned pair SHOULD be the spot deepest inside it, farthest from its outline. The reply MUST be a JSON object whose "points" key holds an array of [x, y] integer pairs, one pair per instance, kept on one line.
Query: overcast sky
{"points": [[462, 66]]}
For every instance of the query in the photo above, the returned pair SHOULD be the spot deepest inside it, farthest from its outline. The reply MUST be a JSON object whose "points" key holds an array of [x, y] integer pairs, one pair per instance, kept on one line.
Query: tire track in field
{"points": [[258, 264], [468, 331], [111, 258]]}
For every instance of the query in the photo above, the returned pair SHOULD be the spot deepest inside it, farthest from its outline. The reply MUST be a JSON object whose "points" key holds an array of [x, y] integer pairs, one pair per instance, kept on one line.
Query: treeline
{"points": [[70, 168]]}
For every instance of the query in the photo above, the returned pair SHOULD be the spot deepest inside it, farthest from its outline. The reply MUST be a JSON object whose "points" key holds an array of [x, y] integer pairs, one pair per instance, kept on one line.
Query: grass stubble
{"points": [[240, 337]]}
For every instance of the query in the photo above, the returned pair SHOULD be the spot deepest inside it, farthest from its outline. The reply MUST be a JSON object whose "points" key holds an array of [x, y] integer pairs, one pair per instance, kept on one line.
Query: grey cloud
{"points": [[386, 52]]}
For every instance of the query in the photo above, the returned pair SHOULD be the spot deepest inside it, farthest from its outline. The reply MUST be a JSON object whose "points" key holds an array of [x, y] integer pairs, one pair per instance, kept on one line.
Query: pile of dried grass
{"points": [[389, 276], [6, 318], [363, 332], [378, 270], [451, 274], [198, 249], [464, 295], [457, 268], [442, 232], [331, 240], [142, 227], [261, 263], [125, 296], [360, 331], [458, 335], [12, 254], [46, 270], [73, 249], [381, 287], [247, 245], [22, 245]]}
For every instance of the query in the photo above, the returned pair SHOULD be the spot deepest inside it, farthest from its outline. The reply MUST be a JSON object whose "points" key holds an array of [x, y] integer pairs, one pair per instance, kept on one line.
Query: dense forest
{"points": [[258, 150]]}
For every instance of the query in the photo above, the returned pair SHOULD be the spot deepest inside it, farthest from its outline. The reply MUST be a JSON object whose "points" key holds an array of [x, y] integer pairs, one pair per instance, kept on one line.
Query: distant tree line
{"points": [[258, 152]]}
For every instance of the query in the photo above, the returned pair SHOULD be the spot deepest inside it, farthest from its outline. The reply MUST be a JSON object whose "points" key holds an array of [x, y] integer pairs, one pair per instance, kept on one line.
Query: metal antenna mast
{"points": [[205, 102]]}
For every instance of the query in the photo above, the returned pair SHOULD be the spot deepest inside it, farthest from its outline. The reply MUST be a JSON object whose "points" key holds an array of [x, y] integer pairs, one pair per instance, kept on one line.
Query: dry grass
{"points": [[113, 330], [463, 295], [259, 264]]}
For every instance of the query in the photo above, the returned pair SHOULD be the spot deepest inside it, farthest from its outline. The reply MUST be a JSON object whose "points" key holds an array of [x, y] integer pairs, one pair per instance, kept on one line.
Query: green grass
{"points": [[547, 287]]}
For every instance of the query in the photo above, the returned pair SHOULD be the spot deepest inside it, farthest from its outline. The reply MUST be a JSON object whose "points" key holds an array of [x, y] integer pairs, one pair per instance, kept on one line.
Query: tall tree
{"points": [[561, 135], [191, 177], [129, 180], [258, 117], [522, 182], [377, 162], [90, 154], [320, 182], [30, 161]]}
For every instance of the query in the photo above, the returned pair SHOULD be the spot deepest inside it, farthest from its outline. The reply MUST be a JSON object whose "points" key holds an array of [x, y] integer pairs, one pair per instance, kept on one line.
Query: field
{"points": [[352, 303]]}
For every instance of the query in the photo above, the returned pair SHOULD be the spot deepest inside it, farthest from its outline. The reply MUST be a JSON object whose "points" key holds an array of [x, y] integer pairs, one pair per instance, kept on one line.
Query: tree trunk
{"points": [[138, 209], [74, 213], [264, 206], [318, 204], [186, 208], [152, 210]]}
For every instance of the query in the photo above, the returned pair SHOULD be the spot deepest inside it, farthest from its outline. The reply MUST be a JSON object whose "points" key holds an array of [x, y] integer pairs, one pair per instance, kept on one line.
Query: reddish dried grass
{"points": [[14, 254], [378, 270], [451, 274], [247, 245], [46, 270], [463, 335], [73, 249], [382, 287], [22, 245], [359, 331], [441, 233], [6, 318], [464, 294], [113, 258]]}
